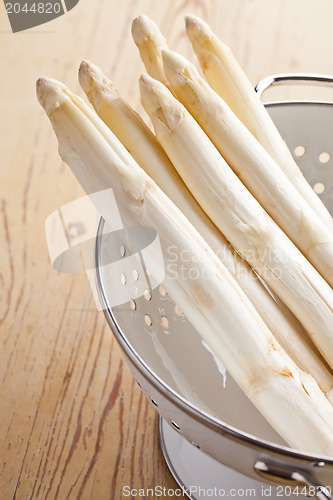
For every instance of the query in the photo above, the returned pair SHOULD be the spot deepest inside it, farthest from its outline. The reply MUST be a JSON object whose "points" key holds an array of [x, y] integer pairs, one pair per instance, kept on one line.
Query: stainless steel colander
{"points": [[183, 380]]}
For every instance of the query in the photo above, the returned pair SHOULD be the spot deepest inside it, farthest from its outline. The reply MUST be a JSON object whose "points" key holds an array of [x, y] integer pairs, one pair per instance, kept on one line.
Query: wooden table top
{"points": [[73, 422]]}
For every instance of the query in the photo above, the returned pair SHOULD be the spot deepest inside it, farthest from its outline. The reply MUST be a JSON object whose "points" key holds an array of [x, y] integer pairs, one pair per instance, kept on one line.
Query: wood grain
{"points": [[73, 422]]}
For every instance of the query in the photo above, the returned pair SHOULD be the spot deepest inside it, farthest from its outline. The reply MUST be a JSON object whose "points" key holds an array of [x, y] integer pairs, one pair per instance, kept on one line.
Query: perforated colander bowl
{"points": [[175, 369]]}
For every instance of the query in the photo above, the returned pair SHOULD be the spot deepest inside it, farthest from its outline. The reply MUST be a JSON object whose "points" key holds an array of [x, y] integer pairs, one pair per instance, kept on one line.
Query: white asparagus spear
{"points": [[252, 164], [138, 139], [227, 78], [239, 216], [227, 321], [124, 122], [150, 43]]}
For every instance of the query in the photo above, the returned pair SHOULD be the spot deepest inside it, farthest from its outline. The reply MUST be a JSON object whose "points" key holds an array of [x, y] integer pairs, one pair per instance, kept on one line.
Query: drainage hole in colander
{"points": [[132, 304], [164, 321], [319, 188], [162, 290], [148, 320], [176, 426], [299, 151], [123, 279], [147, 295], [122, 251], [138, 383], [153, 402], [324, 157], [135, 274], [196, 445], [178, 310]]}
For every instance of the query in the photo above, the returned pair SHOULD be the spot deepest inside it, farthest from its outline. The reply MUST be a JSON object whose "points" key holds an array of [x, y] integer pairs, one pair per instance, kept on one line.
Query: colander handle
{"points": [[294, 79], [281, 473]]}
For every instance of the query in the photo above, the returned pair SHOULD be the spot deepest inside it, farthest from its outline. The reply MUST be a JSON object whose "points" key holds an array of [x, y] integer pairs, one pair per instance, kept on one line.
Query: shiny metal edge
{"points": [[294, 79], [272, 104], [218, 426], [168, 460]]}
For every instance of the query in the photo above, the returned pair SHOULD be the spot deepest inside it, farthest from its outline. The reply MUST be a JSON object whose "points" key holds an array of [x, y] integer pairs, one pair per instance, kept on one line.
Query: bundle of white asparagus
{"points": [[183, 183], [146, 150], [227, 78]]}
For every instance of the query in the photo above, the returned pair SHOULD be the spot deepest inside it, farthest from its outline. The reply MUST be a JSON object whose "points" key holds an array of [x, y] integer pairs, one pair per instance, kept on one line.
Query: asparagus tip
{"points": [[50, 93], [89, 74], [178, 69], [147, 81], [156, 98], [149, 88], [94, 82], [86, 76], [196, 28], [173, 61], [144, 28]]}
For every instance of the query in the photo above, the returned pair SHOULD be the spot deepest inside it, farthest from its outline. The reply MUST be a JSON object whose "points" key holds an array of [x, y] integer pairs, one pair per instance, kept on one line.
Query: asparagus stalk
{"points": [[150, 43], [239, 216], [125, 123], [228, 79], [289, 398], [130, 129], [252, 164]]}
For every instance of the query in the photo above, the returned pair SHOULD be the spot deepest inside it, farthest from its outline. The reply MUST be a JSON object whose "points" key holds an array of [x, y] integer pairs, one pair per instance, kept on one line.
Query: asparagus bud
{"points": [[150, 43]]}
